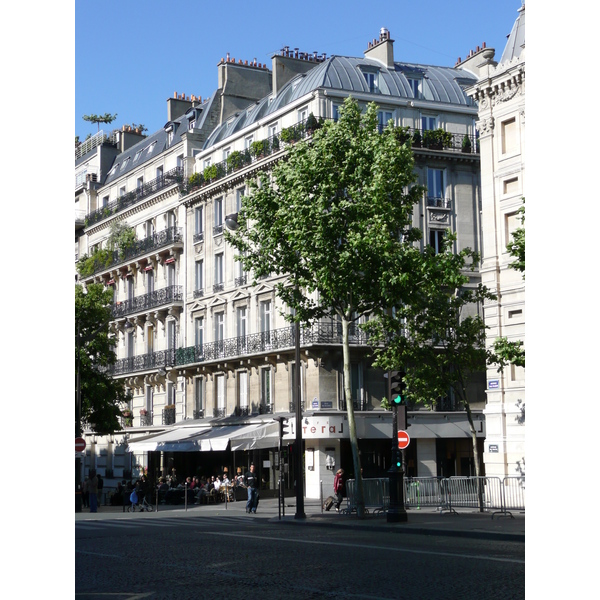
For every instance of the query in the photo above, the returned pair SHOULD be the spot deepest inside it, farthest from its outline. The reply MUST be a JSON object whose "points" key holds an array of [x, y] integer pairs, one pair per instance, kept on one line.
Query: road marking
{"points": [[366, 546]]}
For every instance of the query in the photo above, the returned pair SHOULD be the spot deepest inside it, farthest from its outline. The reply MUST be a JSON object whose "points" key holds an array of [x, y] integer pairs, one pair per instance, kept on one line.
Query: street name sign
{"points": [[403, 440]]}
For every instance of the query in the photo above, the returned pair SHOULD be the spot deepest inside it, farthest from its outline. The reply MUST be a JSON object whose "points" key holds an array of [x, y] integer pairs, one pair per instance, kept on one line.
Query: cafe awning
{"points": [[263, 436], [219, 437], [178, 439]]}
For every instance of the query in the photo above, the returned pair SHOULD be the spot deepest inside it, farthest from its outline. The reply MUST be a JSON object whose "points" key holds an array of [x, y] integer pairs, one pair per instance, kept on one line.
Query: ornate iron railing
{"points": [[172, 177], [256, 343], [168, 295], [439, 202], [146, 420], [168, 416], [156, 241]]}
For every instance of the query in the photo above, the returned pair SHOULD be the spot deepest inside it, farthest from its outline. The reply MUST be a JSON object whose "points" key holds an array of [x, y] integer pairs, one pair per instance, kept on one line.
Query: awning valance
{"points": [[178, 439]]}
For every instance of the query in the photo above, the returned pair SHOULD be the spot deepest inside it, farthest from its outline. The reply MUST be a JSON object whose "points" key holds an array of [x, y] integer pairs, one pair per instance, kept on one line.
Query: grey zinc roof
{"points": [[516, 39], [440, 84], [160, 137]]}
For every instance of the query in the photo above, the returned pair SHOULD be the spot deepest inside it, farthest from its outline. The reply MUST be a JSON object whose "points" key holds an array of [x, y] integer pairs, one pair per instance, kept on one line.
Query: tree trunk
{"points": [[475, 455], [358, 490]]}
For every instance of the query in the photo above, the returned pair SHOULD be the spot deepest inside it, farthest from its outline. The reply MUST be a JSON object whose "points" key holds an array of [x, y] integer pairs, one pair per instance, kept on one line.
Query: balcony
{"points": [[172, 177], [168, 415], [146, 420], [199, 413], [149, 301], [253, 344], [104, 260], [435, 202]]}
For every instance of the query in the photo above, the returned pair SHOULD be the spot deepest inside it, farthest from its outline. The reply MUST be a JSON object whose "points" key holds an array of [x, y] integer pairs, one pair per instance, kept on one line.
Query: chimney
{"points": [[287, 64], [382, 50], [177, 106], [240, 84], [477, 60]]}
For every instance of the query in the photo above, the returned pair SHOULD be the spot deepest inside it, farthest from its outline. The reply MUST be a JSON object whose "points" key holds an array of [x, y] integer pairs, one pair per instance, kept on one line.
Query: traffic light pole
{"points": [[396, 512]]}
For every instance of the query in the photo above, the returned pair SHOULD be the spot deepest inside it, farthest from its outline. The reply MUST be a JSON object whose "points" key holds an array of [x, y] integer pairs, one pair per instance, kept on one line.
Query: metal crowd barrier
{"points": [[444, 494]]}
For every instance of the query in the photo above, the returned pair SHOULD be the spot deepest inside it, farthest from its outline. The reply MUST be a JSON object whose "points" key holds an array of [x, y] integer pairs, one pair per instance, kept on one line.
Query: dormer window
{"points": [[416, 87], [125, 163], [137, 155], [151, 147], [169, 137], [372, 79]]}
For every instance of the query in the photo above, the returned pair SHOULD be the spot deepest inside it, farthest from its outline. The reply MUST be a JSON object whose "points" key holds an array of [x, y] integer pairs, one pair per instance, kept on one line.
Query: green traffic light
{"points": [[397, 400]]}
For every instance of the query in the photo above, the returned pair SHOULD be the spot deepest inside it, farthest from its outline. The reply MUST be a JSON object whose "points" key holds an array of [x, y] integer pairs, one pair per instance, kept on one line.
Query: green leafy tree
{"points": [[105, 118], [336, 219], [438, 337], [102, 397], [514, 352]]}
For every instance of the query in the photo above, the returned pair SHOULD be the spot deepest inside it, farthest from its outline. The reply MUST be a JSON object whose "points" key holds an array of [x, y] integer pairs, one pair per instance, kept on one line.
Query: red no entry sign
{"points": [[79, 444], [403, 440]]}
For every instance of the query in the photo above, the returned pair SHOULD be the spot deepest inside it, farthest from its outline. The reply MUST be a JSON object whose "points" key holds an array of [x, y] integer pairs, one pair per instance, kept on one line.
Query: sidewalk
{"points": [[427, 521]]}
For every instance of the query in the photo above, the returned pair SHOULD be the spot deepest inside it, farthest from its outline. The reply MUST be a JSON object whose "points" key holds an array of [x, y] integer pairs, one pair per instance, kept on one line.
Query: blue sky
{"points": [[130, 56]]}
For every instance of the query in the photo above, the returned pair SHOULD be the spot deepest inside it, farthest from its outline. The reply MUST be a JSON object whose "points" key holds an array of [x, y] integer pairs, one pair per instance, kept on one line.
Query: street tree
{"points": [[335, 218], [105, 118], [101, 398], [439, 336]]}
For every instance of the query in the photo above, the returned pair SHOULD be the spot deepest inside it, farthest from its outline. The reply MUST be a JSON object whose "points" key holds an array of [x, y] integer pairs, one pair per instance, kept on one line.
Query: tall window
{"points": [[336, 112], [265, 321], [171, 274], [241, 322], [171, 335], [219, 326], [436, 239], [508, 131], [239, 194], [130, 288], [428, 123], [383, 116], [372, 81], [149, 399], [149, 227], [149, 281], [220, 395], [242, 389], [199, 331], [415, 86], [302, 114], [150, 339], [355, 384], [198, 276], [199, 224], [198, 397], [265, 389], [159, 172], [219, 273], [435, 183], [218, 215]]}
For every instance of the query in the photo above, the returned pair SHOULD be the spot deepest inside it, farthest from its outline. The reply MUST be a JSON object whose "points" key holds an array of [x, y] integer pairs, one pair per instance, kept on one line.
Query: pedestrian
{"points": [[85, 495], [100, 488], [93, 487], [339, 487], [252, 483]]}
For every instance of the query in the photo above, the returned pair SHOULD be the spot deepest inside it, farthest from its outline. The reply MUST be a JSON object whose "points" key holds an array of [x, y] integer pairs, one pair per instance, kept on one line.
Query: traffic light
{"points": [[283, 426], [397, 387], [397, 458]]}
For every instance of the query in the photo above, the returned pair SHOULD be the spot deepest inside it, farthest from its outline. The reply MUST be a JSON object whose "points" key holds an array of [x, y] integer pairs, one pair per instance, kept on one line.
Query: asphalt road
{"points": [[157, 556]]}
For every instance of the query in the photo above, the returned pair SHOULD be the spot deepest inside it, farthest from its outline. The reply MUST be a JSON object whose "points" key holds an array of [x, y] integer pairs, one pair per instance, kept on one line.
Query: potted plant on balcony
{"points": [[466, 144], [127, 418], [257, 149], [195, 180], [210, 173], [143, 412], [234, 160], [311, 124], [416, 139]]}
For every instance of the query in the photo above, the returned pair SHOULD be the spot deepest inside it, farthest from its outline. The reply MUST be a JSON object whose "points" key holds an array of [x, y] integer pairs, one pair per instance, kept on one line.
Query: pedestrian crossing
{"points": [[162, 522]]}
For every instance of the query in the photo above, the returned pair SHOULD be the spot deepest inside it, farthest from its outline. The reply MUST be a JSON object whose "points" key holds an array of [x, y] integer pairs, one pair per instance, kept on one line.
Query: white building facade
{"points": [[204, 348], [500, 95]]}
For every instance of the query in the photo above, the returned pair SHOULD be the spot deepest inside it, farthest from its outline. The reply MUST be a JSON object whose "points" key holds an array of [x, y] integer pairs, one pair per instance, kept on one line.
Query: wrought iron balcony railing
{"points": [[168, 416], [168, 295], [439, 202], [146, 420], [102, 261], [198, 413], [252, 344], [172, 177]]}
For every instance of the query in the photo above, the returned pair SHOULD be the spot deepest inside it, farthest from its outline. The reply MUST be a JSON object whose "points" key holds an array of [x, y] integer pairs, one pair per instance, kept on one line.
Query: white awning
{"points": [[219, 437], [263, 436], [178, 439]]}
